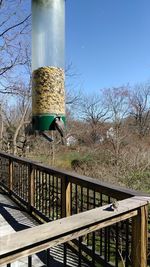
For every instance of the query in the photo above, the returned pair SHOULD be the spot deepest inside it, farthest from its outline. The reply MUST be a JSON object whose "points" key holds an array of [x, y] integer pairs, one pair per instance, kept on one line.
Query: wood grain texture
{"points": [[17, 218], [31, 188], [140, 238], [51, 234], [66, 197]]}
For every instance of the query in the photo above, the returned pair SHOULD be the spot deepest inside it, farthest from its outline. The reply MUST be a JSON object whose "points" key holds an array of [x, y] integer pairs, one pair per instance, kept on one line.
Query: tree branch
{"points": [[14, 26]]}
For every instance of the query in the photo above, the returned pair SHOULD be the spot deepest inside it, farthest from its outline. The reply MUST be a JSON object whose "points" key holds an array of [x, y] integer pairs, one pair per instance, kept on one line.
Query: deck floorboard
{"points": [[13, 219]]}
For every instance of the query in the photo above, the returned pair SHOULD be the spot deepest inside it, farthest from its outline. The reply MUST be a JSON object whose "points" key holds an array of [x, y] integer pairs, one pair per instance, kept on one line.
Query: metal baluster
{"points": [[39, 190], [18, 179], [53, 196], [59, 203], [88, 239], [43, 193], [27, 183], [46, 199], [116, 245], [36, 189], [101, 231], [14, 175], [61, 198], [106, 244], [18, 176], [35, 193], [76, 199], [108, 237], [87, 199], [81, 204], [93, 249], [38, 185], [29, 261], [71, 208], [93, 235], [81, 238], [22, 181], [79, 252], [49, 195], [19, 189], [127, 244], [65, 254], [56, 197], [48, 257]]}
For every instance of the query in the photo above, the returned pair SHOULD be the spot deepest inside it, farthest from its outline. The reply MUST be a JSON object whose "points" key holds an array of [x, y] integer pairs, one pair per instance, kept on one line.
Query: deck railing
{"points": [[50, 194]]}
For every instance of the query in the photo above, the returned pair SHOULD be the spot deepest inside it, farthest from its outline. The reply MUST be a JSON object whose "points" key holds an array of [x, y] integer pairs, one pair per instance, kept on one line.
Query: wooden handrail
{"points": [[36, 239]]}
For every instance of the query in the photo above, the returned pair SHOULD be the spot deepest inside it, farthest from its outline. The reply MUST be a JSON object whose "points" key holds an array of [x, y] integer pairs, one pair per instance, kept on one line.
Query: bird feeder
{"points": [[48, 94]]}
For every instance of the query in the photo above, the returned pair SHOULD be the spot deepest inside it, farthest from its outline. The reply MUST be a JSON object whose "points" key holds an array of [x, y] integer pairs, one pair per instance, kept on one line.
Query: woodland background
{"points": [[107, 134]]}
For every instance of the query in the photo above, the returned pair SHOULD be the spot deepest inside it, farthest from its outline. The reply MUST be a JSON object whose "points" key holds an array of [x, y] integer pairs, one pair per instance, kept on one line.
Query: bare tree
{"points": [[73, 94], [140, 109], [1, 126], [15, 117], [15, 67], [118, 105], [14, 41], [23, 120], [95, 113]]}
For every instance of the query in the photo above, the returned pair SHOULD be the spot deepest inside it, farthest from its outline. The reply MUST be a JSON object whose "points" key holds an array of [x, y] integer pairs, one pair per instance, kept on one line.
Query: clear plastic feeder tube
{"points": [[48, 36], [48, 97]]}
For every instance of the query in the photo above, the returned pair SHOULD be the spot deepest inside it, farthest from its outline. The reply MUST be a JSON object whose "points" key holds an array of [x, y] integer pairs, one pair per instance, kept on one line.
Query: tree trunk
{"points": [[18, 129], [2, 127]]}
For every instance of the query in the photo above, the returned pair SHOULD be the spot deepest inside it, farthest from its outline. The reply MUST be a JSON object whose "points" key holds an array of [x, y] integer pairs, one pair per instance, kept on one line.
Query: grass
{"points": [[64, 160]]}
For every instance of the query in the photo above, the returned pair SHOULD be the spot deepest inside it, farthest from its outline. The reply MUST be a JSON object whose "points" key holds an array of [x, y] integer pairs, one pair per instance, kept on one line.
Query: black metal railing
{"points": [[51, 194]]}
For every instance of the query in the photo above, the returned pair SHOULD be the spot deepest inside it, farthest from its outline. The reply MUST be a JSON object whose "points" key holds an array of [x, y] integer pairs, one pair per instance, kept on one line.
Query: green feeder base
{"points": [[46, 122]]}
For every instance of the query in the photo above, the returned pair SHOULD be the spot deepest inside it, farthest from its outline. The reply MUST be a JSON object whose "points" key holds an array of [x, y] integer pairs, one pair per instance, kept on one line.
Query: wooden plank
{"points": [[44, 236], [30, 187], [55, 240], [66, 197], [23, 217], [140, 238]]}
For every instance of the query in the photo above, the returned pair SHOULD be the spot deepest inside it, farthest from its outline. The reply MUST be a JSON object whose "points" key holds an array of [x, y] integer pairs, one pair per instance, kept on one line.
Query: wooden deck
{"points": [[13, 219], [53, 194]]}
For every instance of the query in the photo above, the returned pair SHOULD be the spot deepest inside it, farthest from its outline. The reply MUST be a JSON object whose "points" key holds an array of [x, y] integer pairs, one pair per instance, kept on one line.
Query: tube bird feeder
{"points": [[48, 94]]}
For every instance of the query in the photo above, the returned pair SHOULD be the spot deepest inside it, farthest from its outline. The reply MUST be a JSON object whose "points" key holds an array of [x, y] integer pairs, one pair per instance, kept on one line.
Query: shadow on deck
{"points": [[14, 219]]}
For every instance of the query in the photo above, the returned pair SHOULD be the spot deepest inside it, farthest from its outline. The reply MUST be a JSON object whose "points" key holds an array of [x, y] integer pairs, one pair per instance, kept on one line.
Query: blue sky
{"points": [[108, 42]]}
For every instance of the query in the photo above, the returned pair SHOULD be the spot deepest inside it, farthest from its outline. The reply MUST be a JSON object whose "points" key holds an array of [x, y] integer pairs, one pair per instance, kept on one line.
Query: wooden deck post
{"points": [[31, 188], [10, 175], [140, 238], [66, 197]]}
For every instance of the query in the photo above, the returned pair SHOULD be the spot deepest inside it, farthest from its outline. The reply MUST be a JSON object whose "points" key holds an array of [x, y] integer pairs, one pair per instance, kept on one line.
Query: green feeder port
{"points": [[46, 122]]}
